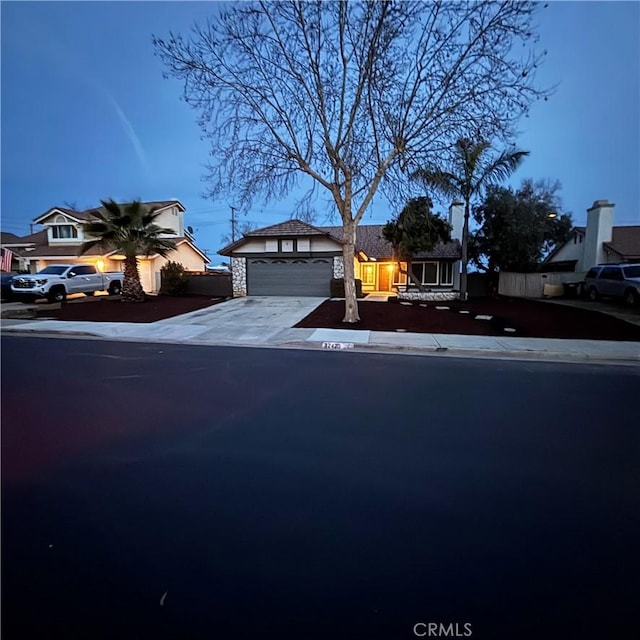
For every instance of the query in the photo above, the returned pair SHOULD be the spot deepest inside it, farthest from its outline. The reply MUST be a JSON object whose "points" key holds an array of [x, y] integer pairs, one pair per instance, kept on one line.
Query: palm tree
{"points": [[473, 170], [130, 229]]}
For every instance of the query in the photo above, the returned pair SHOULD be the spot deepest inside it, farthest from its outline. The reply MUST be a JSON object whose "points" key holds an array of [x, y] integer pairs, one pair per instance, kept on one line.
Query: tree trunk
{"points": [[465, 251], [348, 257], [131, 288]]}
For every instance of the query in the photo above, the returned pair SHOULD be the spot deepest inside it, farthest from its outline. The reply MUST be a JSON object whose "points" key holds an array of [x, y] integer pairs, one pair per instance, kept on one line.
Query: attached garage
{"points": [[289, 276]]}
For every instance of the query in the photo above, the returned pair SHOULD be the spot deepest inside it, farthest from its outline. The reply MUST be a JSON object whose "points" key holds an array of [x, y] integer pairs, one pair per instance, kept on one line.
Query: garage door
{"points": [[288, 277]]}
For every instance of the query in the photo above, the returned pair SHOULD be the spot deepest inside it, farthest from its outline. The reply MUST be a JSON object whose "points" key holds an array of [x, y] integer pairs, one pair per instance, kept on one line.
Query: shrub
{"points": [[337, 288], [174, 279]]}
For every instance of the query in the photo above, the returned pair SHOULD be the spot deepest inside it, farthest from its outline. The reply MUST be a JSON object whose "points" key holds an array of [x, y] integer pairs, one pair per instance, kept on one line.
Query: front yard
{"points": [[502, 317], [109, 309]]}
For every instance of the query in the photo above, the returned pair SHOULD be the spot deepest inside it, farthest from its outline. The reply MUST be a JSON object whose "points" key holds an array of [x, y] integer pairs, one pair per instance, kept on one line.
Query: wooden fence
{"points": [[536, 285]]}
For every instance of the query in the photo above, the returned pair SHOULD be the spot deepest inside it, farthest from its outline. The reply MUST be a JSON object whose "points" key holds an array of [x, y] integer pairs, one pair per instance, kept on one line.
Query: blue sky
{"points": [[86, 113]]}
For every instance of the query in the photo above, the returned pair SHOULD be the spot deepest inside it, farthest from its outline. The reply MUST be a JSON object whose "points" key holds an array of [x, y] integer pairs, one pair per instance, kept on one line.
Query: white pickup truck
{"points": [[56, 281]]}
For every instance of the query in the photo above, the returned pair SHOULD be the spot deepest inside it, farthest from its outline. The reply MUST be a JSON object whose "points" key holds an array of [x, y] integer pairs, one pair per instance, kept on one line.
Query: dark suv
{"points": [[615, 280]]}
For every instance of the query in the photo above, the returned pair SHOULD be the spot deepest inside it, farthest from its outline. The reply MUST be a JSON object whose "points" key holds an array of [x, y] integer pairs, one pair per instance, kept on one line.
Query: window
{"points": [[417, 270], [64, 231], [368, 274], [430, 273], [592, 273], [446, 273], [632, 272], [611, 273], [84, 270], [398, 277], [54, 271], [287, 246]]}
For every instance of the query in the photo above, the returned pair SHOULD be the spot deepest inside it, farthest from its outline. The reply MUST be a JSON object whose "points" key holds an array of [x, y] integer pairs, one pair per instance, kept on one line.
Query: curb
{"points": [[512, 354], [474, 353]]}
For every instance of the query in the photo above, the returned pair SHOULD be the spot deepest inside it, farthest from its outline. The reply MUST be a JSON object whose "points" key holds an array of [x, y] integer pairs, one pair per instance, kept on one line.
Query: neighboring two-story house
{"points": [[63, 235], [600, 242]]}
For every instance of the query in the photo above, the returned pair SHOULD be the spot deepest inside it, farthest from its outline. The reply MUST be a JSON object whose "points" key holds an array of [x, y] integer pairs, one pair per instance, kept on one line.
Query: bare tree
{"points": [[306, 213], [350, 94], [242, 228]]}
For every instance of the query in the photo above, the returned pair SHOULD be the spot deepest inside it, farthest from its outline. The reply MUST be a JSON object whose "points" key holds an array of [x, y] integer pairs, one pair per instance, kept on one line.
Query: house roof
{"points": [[288, 228], [8, 238], [625, 241], [295, 228], [88, 214], [369, 240]]}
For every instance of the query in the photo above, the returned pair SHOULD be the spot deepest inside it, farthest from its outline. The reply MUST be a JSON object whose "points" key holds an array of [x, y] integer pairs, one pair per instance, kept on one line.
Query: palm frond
{"points": [[499, 169], [437, 179]]}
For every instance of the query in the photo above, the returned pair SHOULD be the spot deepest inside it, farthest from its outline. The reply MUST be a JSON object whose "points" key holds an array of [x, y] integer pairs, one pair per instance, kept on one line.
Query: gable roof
{"points": [[8, 238], [89, 214], [295, 228], [369, 240], [625, 241]]}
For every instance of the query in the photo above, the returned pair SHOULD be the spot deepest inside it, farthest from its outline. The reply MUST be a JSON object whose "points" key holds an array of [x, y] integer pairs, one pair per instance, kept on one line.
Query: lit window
{"points": [[368, 274], [398, 277], [63, 231]]}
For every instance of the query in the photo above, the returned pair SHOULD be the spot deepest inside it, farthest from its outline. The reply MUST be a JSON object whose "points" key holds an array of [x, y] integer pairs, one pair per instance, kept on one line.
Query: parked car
{"points": [[614, 280], [5, 286], [56, 281]]}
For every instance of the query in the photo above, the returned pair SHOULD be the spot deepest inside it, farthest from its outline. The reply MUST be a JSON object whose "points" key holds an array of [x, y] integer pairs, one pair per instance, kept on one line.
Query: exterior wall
{"points": [[338, 267], [239, 276], [457, 268], [305, 245], [172, 218], [571, 251], [256, 245], [146, 270], [599, 230], [186, 256], [433, 296], [324, 244]]}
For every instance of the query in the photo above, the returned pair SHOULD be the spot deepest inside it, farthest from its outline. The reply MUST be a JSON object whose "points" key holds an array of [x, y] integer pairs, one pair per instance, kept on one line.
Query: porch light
{"points": [[390, 267], [100, 265]]}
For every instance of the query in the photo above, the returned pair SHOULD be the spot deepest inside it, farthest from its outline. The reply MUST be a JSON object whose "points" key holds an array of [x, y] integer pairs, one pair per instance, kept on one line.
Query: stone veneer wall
{"points": [[429, 295], [239, 276], [338, 267]]}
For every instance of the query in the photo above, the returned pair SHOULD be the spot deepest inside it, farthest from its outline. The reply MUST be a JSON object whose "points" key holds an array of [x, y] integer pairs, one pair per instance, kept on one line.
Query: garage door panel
{"points": [[290, 277]]}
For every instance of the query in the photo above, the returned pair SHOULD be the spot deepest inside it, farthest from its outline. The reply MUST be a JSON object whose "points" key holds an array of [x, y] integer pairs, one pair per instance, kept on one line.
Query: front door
{"points": [[385, 275]]}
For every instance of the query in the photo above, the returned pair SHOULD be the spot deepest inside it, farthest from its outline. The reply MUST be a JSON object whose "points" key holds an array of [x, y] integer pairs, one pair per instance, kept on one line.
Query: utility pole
{"points": [[233, 224]]}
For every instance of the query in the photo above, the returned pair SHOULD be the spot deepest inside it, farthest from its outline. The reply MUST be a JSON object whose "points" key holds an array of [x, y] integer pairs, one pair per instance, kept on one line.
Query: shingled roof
{"points": [[369, 240], [625, 241], [89, 214]]}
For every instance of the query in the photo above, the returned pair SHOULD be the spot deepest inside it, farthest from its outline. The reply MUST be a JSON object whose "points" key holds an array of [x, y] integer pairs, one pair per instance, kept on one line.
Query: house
{"points": [[597, 243], [63, 235], [294, 258]]}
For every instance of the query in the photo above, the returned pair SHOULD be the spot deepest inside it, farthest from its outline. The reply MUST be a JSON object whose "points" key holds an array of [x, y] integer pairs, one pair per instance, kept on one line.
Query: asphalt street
{"points": [[171, 491]]}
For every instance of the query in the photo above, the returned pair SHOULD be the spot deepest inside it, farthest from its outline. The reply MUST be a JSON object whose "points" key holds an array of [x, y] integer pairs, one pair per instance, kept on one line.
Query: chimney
{"points": [[456, 219], [599, 230]]}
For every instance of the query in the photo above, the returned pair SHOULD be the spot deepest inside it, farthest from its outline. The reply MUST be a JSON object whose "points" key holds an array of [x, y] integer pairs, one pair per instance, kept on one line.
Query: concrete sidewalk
{"points": [[194, 332]]}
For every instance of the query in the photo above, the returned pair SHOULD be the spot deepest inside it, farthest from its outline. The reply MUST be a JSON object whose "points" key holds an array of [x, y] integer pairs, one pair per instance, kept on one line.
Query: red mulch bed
{"points": [[529, 318], [107, 309]]}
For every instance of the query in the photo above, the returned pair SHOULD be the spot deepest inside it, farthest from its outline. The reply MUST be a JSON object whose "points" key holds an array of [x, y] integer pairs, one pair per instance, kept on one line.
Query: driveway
{"points": [[610, 307], [250, 319]]}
